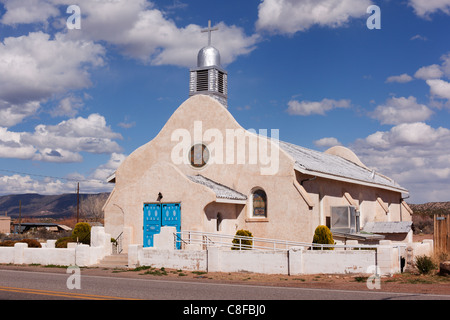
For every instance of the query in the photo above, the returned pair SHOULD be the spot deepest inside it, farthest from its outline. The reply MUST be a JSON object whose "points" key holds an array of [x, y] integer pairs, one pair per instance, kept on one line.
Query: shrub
{"points": [[323, 235], [82, 231], [425, 264], [7, 243], [32, 243], [62, 242], [246, 244]]}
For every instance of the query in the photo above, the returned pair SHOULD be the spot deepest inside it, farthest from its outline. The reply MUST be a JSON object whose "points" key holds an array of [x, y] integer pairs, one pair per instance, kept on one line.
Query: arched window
{"points": [[259, 199], [198, 155]]}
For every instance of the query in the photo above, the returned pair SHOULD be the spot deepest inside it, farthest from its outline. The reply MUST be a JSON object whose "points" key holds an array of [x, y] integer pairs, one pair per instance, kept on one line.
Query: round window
{"points": [[199, 155]]}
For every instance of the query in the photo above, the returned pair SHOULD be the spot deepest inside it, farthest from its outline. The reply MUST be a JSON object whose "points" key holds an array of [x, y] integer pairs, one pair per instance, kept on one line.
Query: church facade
{"points": [[204, 172]]}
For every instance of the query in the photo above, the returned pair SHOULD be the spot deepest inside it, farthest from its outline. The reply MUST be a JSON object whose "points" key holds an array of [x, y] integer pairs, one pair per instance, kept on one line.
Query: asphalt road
{"points": [[31, 285]]}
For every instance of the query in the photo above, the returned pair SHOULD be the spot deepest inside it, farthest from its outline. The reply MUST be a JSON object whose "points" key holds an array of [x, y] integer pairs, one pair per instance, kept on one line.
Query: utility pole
{"points": [[20, 216], [78, 202]]}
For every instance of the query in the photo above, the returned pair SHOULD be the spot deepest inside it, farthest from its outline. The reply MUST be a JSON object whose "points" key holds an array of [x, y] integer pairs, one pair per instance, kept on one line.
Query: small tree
{"points": [[82, 232], [242, 244], [425, 264], [323, 235]]}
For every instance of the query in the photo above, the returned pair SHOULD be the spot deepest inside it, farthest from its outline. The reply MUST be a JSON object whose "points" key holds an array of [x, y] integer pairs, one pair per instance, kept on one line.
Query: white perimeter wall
{"points": [[81, 255], [295, 261]]}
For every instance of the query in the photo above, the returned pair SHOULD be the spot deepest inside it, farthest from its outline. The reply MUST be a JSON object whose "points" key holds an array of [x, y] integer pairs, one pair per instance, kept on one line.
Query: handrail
{"points": [[118, 244], [224, 240]]}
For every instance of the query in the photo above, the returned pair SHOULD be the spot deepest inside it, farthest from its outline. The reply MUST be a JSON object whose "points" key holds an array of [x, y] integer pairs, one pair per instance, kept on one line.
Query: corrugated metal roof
{"points": [[388, 227], [220, 190], [310, 161]]}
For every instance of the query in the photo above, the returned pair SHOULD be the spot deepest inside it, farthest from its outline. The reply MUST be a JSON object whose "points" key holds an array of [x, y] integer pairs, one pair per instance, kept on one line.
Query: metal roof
{"points": [[330, 166], [221, 191], [388, 227]]}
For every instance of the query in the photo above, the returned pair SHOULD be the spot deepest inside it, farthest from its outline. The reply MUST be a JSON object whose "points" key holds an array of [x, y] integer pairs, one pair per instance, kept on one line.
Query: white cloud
{"points": [[35, 67], [327, 142], [291, 16], [401, 110], [141, 31], [27, 11], [105, 170], [152, 38], [424, 8], [89, 134], [439, 88], [62, 142], [93, 183], [419, 37], [403, 78], [306, 108], [429, 72], [68, 106], [415, 155], [446, 64], [15, 184]]}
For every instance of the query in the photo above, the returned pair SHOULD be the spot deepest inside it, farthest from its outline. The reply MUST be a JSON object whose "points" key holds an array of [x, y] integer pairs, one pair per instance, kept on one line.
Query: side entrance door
{"points": [[157, 215]]}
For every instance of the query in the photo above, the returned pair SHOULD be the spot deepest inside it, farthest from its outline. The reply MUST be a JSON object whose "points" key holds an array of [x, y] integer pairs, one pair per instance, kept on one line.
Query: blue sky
{"points": [[75, 103]]}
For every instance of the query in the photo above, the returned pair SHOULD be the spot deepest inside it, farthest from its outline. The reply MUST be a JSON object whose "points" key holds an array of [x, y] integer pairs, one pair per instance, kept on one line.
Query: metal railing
{"points": [[235, 242], [117, 245]]}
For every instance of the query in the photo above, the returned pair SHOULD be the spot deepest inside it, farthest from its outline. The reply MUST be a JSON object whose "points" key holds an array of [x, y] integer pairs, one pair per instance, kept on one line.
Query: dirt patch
{"points": [[405, 282]]}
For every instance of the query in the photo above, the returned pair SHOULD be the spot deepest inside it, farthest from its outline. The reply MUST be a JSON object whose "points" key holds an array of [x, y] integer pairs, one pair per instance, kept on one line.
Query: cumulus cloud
{"points": [[89, 183], [28, 11], [105, 170], [403, 78], [62, 142], [147, 35], [306, 108], [401, 110], [141, 31], [439, 88], [429, 72], [327, 142], [17, 184], [424, 8], [414, 154], [35, 67], [291, 16]]}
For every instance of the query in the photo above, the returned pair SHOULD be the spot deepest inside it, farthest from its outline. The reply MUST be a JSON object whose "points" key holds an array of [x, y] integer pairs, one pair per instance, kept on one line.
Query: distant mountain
{"points": [[431, 208], [41, 206], [65, 205]]}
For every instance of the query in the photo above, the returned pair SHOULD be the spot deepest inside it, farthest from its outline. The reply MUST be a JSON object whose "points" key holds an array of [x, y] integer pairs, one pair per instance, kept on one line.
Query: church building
{"points": [[204, 172]]}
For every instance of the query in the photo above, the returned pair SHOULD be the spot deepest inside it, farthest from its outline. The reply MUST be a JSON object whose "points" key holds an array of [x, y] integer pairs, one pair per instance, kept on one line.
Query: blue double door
{"points": [[157, 215]]}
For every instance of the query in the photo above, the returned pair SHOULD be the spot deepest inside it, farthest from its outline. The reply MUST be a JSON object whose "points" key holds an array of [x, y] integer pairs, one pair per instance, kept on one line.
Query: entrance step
{"points": [[114, 261]]}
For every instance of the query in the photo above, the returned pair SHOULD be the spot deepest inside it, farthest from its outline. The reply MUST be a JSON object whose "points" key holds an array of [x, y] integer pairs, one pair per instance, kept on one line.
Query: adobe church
{"points": [[204, 172]]}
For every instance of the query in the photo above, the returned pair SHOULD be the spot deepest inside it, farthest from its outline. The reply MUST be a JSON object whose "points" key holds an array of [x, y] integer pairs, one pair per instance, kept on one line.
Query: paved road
{"points": [[29, 285]]}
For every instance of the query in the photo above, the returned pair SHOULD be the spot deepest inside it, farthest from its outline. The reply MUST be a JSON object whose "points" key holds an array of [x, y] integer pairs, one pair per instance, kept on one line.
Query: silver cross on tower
{"points": [[209, 30]]}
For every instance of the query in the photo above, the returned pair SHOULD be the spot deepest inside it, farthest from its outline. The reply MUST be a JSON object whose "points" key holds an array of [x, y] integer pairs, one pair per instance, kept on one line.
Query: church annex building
{"points": [[204, 172]]}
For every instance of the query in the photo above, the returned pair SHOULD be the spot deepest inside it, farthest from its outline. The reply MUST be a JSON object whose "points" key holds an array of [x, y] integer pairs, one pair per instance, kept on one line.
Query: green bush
{"points": [[425, 264], [246, 244], [82, 232], [323, 235]]}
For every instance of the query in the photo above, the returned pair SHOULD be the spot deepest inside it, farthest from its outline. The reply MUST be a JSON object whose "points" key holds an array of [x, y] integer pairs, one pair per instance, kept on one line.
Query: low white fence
{"points": [[213, 252], [295, 261], [76, 254]]}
